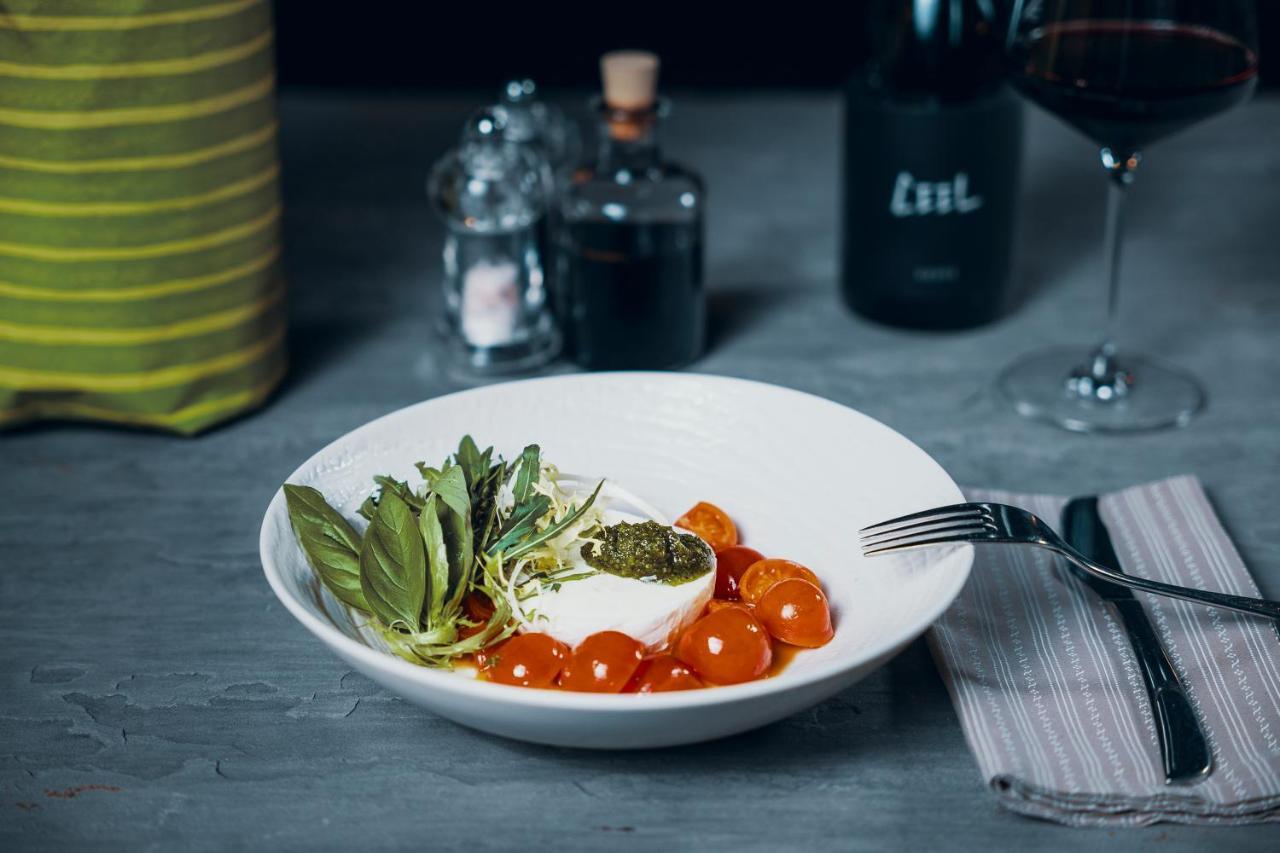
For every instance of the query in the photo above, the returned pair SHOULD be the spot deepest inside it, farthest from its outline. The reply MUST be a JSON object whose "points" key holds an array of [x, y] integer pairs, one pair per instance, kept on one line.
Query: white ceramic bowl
{"points": [[798, 474]]}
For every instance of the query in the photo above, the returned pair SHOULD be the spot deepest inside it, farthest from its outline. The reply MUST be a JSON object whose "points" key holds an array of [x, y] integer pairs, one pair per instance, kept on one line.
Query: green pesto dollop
{"points": [[649, 551]]}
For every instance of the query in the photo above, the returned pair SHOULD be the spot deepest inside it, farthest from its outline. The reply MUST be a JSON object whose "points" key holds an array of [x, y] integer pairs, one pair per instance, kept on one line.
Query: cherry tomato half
{"points": [[526, 660], [712, 524], [731, 562], [478, 606], [726, 647], [757, 579], [602, 663], [479, 609], [796, 612], [720, 604], [661, 674]]}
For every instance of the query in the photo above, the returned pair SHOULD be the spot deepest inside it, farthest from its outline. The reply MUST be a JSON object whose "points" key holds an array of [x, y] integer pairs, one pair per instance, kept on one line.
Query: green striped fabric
{"points": [[139, 211]]}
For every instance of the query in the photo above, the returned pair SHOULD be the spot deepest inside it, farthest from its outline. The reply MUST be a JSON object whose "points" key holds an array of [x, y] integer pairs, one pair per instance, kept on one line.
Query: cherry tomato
{"points": [[796, 612], [478, 606], [479, 609], [526, 660], [720, 604], [661, 674], [712, 524], [757, 579], [602, 663], [726, 647], [731, 562]]}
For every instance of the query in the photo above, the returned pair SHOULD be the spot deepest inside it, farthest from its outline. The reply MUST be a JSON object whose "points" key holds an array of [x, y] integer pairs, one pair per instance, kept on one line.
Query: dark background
{"points": [[421, 44]]}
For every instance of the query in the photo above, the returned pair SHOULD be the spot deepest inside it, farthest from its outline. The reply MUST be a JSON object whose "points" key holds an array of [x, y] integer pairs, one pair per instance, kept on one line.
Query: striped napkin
{"points": [[1048, 692]]}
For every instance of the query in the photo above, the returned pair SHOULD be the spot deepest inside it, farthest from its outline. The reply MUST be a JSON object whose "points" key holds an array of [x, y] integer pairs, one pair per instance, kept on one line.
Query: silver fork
{"points": [[1001, 524]]}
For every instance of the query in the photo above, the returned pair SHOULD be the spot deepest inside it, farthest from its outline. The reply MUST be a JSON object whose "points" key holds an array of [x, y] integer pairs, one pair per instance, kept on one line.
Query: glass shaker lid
{"points": [[489, 183], [538, 123], [520, 109]]}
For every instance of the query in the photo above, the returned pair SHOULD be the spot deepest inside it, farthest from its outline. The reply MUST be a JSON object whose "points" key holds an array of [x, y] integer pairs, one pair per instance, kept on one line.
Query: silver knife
{"points": [[1183, 747]]}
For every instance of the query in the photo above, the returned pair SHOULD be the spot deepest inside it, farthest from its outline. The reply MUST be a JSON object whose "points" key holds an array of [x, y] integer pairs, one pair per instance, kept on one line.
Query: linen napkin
{"points": [[1044, 681]]}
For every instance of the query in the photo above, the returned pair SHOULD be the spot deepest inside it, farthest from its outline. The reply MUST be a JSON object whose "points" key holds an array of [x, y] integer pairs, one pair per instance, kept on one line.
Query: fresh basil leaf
{"points": [[468, 458], [369, 508], [521, 523], [455, 521], [400, 490], [437, 553], [554, 530], [451, 487], [330, 543], [393, 566], [474, 464], [428, 473], [527, 471]]}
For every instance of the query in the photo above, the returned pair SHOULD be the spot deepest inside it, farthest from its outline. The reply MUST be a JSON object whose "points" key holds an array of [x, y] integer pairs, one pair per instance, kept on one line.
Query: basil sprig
{"points": [[331, 544], [454, 512], [425, 550], [473, 463], [392, 561]]}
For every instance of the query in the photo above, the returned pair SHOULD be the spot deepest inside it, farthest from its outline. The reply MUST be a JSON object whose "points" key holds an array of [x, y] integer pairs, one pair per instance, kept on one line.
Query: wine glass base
{"points": [[1045, 385]]}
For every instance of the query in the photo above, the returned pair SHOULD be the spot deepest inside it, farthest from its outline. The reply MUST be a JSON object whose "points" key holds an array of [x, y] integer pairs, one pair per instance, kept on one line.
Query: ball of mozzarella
{"points": [[650, 612]]}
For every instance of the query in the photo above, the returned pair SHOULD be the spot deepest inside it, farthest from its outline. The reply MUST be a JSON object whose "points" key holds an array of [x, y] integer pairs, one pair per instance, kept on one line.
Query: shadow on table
{"points": [[316, 344], [734, 309], [1059, 228]]}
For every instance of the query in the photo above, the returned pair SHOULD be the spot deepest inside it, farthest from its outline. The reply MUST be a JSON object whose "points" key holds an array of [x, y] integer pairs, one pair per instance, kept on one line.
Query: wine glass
{"points": [[1125, 73]]}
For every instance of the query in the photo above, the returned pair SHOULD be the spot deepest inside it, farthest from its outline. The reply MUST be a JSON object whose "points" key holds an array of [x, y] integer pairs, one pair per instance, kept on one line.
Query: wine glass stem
{"points": [[1120, 175], [1102, 379]]}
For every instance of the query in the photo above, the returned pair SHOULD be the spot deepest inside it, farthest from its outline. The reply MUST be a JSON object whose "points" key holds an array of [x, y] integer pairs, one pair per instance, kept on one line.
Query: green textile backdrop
{"points": [[140, 276]]}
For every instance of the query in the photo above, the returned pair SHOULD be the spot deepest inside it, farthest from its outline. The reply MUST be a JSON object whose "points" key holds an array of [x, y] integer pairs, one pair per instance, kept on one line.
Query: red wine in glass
{"points": [[1127, 83], [1125, 73]]}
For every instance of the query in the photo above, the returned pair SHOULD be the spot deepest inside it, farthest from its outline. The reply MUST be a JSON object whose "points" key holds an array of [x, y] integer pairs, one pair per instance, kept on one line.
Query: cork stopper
{"points": [[630, 79]]}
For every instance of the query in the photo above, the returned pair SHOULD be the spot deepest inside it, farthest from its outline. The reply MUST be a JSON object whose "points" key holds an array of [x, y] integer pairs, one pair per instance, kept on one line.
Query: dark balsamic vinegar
{"points": [[1127, 83], [634, 293], [630, 245]]}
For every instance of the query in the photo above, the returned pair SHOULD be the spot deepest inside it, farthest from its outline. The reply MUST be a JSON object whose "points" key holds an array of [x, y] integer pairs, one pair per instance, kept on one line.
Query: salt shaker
{"points": [[493, 195], [542, 125]]}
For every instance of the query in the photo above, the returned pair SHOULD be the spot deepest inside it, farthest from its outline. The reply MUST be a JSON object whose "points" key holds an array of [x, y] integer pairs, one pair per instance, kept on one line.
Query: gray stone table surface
{"points": [[155, 696]]}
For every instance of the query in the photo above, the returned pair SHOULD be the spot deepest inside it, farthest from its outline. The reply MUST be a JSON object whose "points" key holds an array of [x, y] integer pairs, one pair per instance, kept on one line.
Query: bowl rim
{"points": [[396, 668]]}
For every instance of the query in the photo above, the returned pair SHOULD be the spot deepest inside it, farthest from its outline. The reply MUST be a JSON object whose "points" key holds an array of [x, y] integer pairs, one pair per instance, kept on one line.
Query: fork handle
{"points": [[1239, 603]]}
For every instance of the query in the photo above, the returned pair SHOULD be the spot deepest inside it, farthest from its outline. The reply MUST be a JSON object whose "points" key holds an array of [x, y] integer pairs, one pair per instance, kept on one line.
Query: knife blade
{"points": [[1183, 747]]}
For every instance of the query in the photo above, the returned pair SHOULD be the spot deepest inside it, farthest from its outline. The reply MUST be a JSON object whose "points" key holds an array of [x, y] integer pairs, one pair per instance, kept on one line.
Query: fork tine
{"points": [[929, 525], [977, 534], [959, 528], [936, 513]]}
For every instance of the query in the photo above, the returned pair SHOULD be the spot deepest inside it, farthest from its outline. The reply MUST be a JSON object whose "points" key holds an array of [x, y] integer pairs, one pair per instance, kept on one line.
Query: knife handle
{"points": [[1183, 748]]}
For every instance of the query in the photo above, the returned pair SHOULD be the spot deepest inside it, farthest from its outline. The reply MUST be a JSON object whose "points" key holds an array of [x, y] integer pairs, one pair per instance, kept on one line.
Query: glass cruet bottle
{"points": [[629, 255], [493, 196]]}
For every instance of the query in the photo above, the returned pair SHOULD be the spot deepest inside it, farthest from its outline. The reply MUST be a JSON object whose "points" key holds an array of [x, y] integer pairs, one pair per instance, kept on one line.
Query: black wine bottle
{"points": [[932, 149]]}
